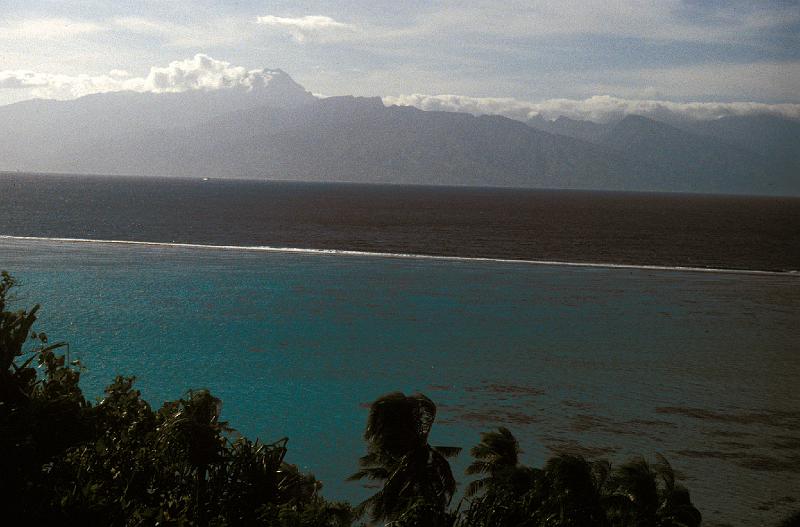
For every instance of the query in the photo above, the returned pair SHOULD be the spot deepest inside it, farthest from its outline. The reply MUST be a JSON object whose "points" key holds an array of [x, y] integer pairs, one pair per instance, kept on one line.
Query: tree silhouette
{"points": [[570, 492], [648, 495], [496, 456], [416, 476], [792, 520]]}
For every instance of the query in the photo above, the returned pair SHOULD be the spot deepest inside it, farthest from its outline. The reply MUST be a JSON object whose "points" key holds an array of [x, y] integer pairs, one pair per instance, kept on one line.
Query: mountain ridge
{"points": [[281, 131]]}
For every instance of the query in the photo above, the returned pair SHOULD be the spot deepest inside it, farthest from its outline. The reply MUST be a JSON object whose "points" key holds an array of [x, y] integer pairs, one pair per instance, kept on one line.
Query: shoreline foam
{"points": [[375, 254]]}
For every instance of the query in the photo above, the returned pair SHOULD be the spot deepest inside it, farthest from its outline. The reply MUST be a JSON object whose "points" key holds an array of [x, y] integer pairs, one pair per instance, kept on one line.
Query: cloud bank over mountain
{"points": [[200, 72], [205, 73], [599, 108], [531, 50], [180, 120]]}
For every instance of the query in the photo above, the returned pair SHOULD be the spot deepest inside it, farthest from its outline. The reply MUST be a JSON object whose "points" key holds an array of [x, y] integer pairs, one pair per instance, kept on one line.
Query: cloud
{"points": [[203, 33], [20, 79], [507, 106], [220, 32], [302, 28], [48, 29], [765, 81], [599, 108], [201, 72], [668, 20], [58, 86]]}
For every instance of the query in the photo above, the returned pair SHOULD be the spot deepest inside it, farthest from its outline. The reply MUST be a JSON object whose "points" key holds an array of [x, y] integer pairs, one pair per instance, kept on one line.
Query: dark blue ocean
{"points": [[611, 362]]}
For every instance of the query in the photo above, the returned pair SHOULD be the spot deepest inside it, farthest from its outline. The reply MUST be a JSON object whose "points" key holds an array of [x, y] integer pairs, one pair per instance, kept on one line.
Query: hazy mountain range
{"points": [[281, 131]]}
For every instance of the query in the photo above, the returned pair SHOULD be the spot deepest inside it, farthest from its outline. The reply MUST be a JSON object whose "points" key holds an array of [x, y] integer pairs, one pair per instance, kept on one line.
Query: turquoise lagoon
{"points": [[700, 366]]}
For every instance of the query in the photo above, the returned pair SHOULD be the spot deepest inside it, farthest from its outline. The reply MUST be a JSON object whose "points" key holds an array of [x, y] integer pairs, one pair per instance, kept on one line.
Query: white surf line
{"points": [[346, 252]]}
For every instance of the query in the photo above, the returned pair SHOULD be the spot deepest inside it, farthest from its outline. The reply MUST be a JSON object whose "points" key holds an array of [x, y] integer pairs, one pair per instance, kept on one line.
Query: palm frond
{"points": [[478, 467], [448, 451], [475, 487], [372, 473]]}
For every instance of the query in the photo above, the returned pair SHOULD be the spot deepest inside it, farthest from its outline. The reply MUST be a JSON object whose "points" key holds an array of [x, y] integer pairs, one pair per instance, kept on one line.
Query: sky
{"points": [[430, 54]]}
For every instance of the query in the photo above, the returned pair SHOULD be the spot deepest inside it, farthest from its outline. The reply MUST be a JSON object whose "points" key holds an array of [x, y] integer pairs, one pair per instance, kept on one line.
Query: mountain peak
{"points": [[276, 79]]}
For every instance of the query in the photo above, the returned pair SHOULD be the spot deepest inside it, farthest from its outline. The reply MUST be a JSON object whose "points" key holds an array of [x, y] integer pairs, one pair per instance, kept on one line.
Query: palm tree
{"points": [[570, 492], [496, 455], [642, 494], [567, 492], [416, 476], [791, 521], [190, 430]]}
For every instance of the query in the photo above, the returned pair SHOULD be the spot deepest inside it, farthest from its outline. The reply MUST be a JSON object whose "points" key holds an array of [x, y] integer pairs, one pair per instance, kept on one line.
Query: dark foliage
{"points": [[791, 521], [118, 462], [572, 491], [497, 458], [417, 480]]}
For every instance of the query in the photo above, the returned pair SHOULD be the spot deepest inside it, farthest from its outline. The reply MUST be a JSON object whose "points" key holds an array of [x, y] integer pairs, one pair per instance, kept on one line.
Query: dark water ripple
{"points": [[610, 227]]}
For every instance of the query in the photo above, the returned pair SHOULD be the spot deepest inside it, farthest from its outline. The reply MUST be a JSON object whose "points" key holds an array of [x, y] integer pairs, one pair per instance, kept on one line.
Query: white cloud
{"points": [[600, 108], [507, 106], [201, 72], [58, 86], [302, 28], [20, 79]]}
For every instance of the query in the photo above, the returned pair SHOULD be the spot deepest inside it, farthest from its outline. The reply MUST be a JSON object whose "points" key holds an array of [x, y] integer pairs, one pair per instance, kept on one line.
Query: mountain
{"points": [[34, 134], [280, 131], [749, 154], [358, 139], [775, 138], [687, 160], [585, 130]]}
